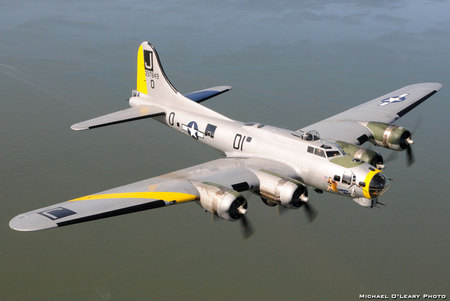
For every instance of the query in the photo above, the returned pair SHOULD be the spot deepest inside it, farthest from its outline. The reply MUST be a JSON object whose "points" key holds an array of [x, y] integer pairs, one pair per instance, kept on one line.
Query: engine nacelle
{"points": [[285, 191], [363, 154], [390, 136], [221, 201]]}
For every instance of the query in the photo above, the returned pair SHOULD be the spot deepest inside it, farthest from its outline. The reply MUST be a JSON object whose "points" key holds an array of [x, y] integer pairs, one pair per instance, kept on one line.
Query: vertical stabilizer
{"points": [[151, 78], [152, 81]]}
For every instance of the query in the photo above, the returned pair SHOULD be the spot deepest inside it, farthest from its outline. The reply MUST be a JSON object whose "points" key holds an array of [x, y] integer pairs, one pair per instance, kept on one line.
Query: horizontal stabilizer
{"points": [[202, 95], [126, 115]]}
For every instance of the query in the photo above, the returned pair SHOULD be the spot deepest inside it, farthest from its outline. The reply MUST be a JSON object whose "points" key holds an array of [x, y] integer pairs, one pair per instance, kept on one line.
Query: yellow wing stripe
{"points": [[165, 196], [141, 82], [367, 181]]}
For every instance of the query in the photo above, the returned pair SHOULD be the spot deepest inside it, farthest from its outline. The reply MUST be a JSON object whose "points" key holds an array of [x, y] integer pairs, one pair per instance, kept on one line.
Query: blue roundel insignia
{"points": [[193, 129], [193, 125], [393, 99]]}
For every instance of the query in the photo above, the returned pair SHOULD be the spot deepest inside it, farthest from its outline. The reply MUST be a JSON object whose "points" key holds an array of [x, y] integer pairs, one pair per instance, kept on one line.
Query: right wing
{"points": [[349, 125], [172, 188]]}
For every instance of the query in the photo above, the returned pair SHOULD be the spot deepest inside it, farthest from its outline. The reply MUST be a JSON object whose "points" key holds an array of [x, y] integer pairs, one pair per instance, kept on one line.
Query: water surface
{"points": [[290, 63]]}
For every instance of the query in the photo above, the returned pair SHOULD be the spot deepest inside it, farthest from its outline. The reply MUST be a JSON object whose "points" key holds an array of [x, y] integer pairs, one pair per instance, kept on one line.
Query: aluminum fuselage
{"points": [[340, 174]]}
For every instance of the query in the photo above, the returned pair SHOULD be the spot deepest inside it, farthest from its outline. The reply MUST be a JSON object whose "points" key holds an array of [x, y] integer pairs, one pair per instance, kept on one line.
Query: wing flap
{"points": [[130, 114]]}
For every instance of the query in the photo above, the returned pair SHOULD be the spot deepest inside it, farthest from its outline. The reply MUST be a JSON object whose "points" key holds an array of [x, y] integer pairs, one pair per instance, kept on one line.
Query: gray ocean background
{"points": [[291, 63]]}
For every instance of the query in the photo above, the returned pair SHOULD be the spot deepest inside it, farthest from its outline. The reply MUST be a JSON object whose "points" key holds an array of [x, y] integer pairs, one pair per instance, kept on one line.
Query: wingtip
{"points": [[78, 127], [30, 222], [433, 86]]}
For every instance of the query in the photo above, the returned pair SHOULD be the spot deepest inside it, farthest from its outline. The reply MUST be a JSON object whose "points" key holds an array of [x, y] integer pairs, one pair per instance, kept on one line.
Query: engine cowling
{"points": [[363, 154], [390, 136], [221, 201], [285, 191]]}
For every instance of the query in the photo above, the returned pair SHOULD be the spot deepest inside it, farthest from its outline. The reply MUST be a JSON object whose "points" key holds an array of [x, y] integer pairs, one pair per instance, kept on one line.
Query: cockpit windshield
{"points": [[327, 149], [324, 153]]}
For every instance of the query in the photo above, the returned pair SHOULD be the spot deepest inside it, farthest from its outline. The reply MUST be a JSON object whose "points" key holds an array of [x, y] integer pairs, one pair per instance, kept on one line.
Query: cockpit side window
{"points": [[322, 153], [331, 154], [319, 152]]}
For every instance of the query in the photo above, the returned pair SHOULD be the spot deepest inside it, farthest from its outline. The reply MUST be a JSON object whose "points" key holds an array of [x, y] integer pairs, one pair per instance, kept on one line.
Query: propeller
{"points": [[409, 153], [310, 212], [247, 229], [406, 143]]}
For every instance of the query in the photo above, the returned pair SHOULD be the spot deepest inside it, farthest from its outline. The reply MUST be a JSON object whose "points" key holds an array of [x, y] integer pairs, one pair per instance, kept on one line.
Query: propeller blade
{"points": [[310, 212], [247, 229], [409, 155], [281, 210]]}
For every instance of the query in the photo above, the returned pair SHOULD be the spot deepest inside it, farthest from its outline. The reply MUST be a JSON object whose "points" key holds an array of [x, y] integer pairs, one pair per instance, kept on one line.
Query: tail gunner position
{"points": [[277, 164]]}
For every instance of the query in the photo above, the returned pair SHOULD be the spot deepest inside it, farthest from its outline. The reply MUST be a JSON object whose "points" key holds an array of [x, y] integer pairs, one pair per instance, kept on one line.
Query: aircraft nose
{"points": [[378, 185]]}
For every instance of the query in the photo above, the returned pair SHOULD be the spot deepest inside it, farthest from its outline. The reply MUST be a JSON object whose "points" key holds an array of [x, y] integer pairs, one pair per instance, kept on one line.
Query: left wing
{"points": [[169, 189], [349, 126]]}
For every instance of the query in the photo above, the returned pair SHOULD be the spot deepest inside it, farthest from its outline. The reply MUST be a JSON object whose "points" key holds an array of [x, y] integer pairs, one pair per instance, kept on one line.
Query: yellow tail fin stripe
{"points": [[141, 82], [165, 196]]}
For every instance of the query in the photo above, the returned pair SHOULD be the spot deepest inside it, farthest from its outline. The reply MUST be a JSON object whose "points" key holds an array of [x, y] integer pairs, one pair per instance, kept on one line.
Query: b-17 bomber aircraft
{"points": [[279, 165]]}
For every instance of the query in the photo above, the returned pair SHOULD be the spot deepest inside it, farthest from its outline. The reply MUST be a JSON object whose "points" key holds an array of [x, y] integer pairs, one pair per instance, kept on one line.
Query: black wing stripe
{"points": [[141, 207], [412, 106]]}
